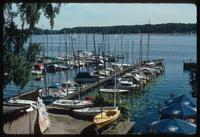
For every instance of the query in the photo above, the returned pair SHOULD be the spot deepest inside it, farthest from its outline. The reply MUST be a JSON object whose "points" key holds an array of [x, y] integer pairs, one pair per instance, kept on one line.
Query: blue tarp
{"points": [[173, 126], [182, 99], [180, 110]]}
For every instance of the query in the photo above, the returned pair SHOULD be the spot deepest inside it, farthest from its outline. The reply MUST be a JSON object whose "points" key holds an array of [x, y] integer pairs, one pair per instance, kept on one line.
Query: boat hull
{"points": [[92, 111], [103, 119], [72, 104], [86, 80]]}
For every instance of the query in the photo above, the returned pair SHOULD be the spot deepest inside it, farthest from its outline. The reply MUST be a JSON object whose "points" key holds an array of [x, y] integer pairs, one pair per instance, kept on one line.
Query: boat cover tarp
{"points": [[179, 109], [174, 126], [182, 99]]}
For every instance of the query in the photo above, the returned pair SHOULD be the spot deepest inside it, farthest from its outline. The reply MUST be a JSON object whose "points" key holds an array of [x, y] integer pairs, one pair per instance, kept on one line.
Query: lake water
{"points": [[173, 48]]}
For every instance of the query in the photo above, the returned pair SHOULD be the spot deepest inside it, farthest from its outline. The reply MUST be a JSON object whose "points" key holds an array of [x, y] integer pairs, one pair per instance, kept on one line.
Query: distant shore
{"points": [[168, 28], [130, 33]]}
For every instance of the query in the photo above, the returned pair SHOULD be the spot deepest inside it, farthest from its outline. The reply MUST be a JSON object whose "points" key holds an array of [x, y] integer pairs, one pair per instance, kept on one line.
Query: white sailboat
{"points": [[109, 116]]}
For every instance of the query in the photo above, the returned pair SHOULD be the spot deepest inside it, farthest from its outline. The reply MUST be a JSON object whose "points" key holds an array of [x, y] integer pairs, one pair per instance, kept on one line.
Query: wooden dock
{"points": [[122, 128], [87, 89]]}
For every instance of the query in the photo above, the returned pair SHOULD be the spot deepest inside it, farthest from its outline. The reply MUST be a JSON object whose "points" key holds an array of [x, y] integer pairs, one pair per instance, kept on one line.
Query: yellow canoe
{"points": [[105, 118]]}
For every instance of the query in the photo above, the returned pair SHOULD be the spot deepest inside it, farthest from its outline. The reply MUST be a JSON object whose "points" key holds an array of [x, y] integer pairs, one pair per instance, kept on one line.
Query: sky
{"points": [[104, 14]]}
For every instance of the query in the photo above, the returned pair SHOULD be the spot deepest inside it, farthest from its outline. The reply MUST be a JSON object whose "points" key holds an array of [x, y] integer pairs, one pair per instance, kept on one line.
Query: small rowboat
{"points": [[22, 102], [72, 104], [92, 111], [105, 118], [107, 90]]}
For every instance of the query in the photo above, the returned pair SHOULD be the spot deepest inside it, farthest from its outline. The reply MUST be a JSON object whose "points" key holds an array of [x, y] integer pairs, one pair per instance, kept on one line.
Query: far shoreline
{"points": [[172, 34]]}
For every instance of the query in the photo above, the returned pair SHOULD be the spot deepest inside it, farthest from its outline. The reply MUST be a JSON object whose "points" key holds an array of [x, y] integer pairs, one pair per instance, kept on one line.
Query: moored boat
{"points": [[127, 85], [85, 77]]}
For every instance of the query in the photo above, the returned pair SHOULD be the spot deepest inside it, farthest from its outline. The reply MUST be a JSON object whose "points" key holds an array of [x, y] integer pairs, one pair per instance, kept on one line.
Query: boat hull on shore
{"points": [[105, 118]]}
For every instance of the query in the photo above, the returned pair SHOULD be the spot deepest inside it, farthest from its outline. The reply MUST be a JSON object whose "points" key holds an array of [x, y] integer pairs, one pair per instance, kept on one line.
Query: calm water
{"points": [[173, 48]]}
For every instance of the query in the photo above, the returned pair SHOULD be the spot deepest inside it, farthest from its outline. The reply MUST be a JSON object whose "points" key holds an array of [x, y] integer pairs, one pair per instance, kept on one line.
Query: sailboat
{"points": [[109, 116], [93, 111], [106, 117]]}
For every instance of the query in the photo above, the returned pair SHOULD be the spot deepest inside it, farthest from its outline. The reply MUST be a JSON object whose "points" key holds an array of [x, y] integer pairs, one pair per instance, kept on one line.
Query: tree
{"points": [[18, 61]]}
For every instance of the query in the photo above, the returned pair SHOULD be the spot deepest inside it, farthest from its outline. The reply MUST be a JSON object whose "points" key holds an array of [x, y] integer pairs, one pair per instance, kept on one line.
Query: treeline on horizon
{"points": [[125, 29]]}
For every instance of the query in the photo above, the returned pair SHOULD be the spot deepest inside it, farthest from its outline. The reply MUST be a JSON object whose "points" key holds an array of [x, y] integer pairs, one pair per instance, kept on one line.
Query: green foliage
{"points": [[21, 70], [30, 12], [33, 50], [125, 110], [17, 61], [124, 107], [102, 101]]}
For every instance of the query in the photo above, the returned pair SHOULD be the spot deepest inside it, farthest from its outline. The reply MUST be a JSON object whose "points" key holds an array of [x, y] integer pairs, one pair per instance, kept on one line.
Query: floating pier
{"points": [[87, 89]]}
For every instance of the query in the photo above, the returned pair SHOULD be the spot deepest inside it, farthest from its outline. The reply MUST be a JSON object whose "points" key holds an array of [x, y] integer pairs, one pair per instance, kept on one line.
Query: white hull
{"points": [[113, 90], [128, 87], [92, 111], [21, 101], [72, 104]]}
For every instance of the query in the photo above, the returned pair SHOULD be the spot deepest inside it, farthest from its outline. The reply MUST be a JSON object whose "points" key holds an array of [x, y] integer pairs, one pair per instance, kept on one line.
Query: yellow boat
{"points": [[106, 117]]}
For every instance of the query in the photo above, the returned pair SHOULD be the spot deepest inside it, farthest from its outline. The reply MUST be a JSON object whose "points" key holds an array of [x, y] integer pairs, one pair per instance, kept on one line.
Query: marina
{"points": [[103, 80], [91, 89]]}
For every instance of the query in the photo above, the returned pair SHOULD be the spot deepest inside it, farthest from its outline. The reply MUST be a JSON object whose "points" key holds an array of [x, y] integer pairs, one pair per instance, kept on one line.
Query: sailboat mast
{"points": [[108, 45], [132, 50], [141, 50], [97, 72], [115, 72], [59, 46], [47, 45], [86, 48], [148, 44], [66, 43], [51, 47]]}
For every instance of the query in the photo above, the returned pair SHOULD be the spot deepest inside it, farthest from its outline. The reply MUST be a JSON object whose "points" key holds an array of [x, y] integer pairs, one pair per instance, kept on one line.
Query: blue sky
{"points": [[103, 14]]}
